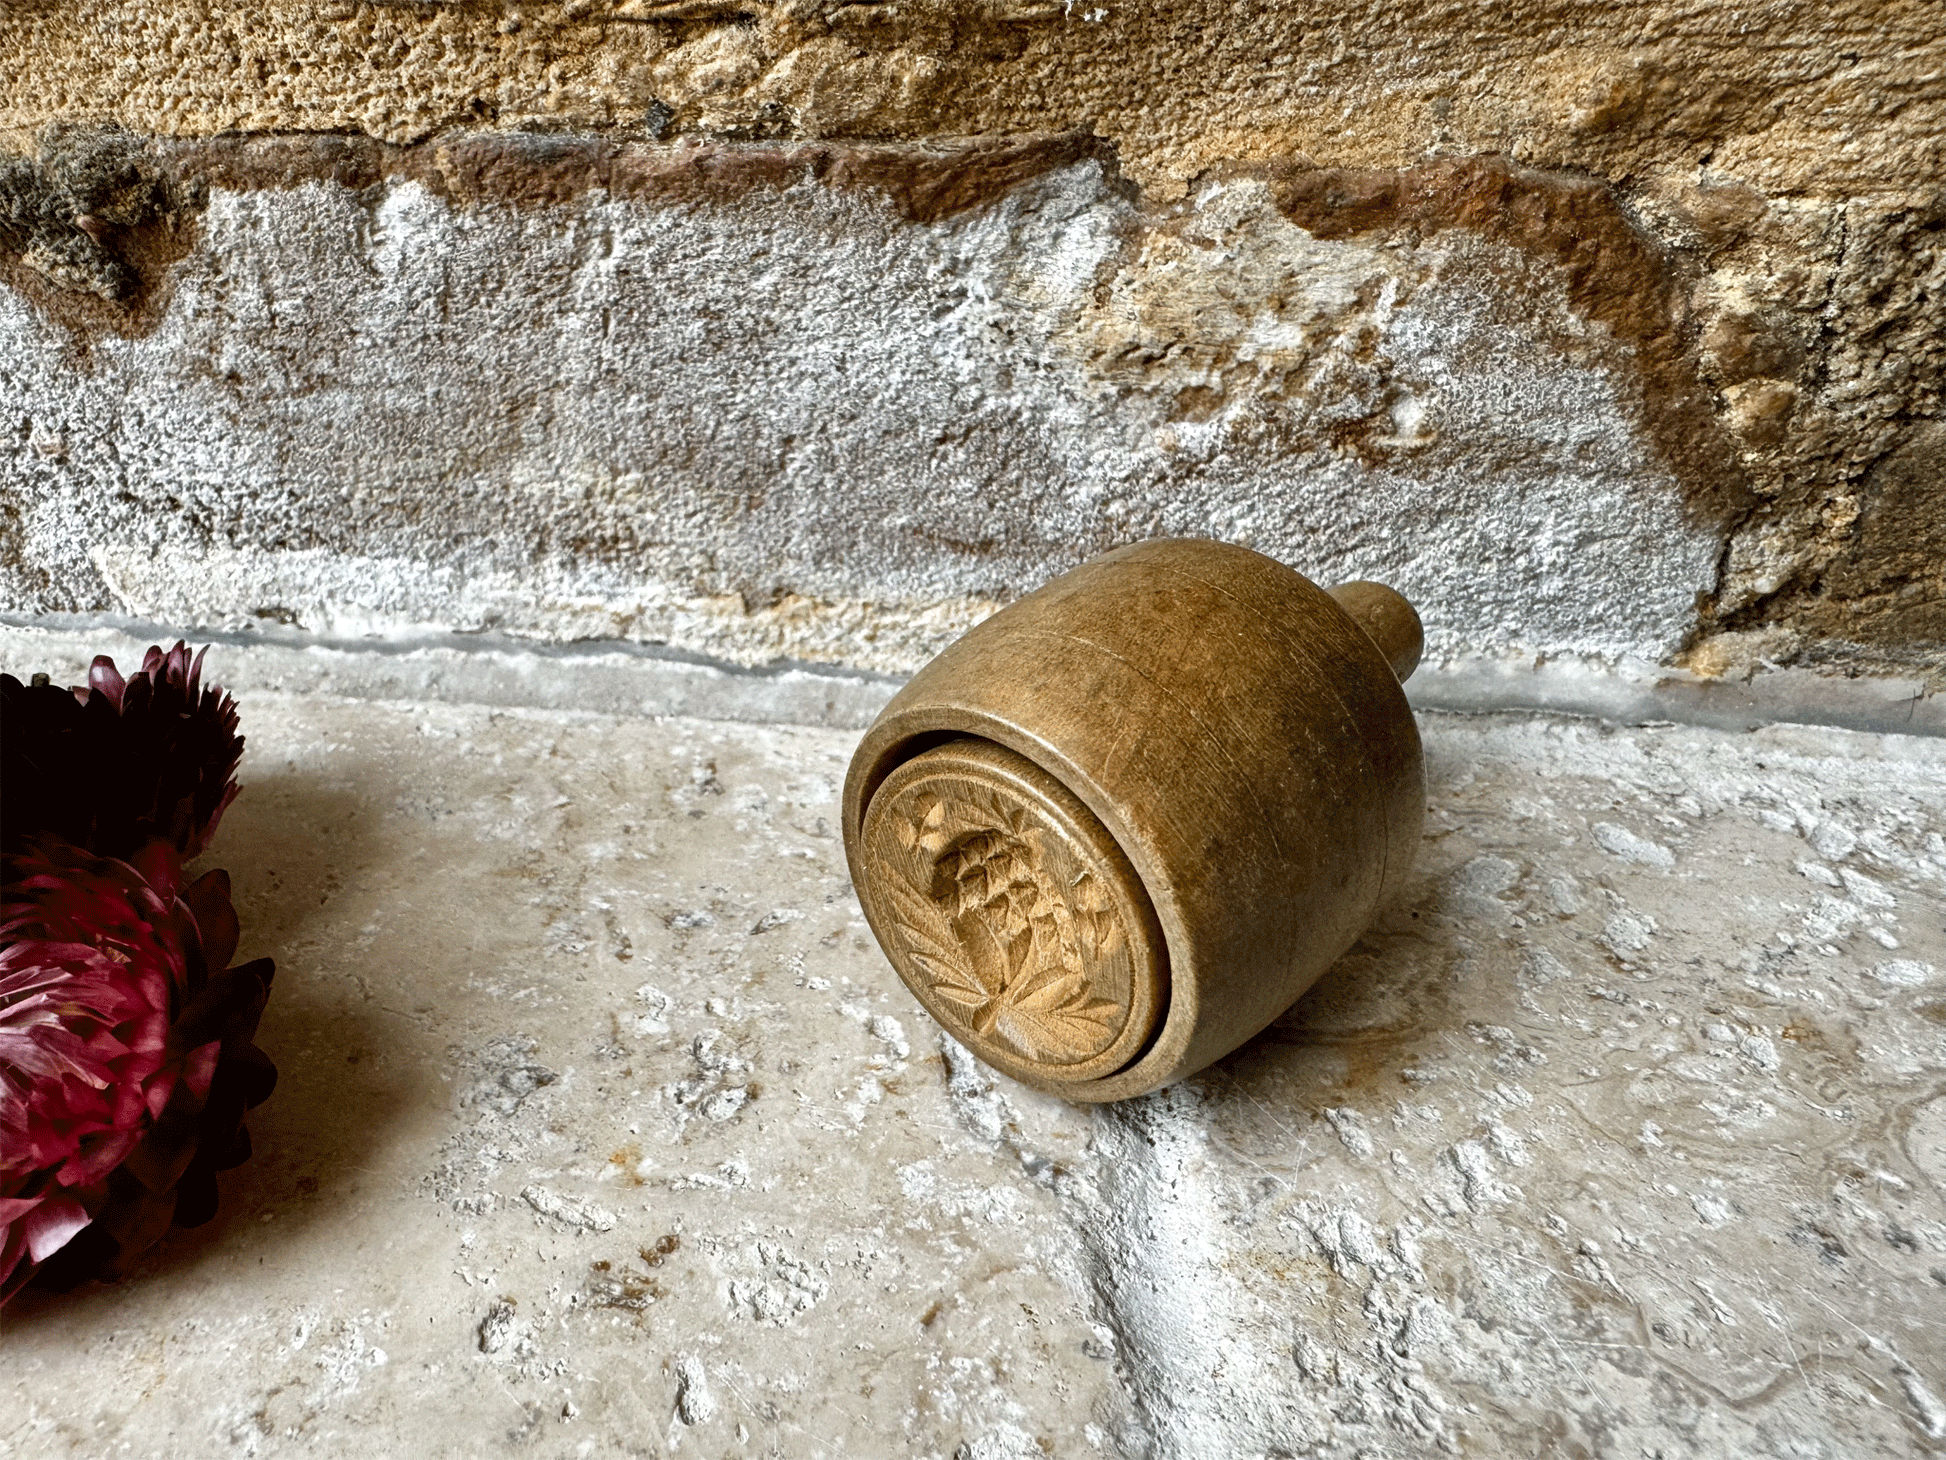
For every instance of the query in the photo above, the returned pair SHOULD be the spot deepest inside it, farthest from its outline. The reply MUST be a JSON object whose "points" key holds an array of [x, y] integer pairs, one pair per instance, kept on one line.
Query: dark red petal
{"points": [[239, 1150], [209, 901], [136, 1218], [106, 680], [170, 1145], [52, 1225], [227, 1008], [256, 1076], [195, 1198], [261, 969], [81, 1259], [200, 1067], [158, 865], [15, 1268], [97, 1158], [137, 697]]}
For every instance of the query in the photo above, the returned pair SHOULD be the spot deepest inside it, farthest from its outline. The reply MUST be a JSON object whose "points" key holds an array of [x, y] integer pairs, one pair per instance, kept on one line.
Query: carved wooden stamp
{"points": [[1121, 825]]}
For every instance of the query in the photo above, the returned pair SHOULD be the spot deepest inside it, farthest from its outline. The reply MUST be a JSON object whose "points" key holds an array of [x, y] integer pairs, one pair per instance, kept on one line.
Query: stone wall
{"points": [[812, 331]]}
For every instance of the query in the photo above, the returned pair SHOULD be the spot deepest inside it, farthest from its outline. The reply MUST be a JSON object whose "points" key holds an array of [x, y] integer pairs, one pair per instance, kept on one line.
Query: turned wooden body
{"points": [[1122, 824]]}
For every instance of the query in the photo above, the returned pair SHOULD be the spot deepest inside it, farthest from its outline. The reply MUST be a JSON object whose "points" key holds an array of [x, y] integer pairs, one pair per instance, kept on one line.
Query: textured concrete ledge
{"points": [[604, 1130], [621, 678]]}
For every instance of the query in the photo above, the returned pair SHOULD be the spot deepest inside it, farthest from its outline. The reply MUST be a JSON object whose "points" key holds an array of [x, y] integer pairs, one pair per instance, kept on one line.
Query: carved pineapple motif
{"points": [[1014, 946]]}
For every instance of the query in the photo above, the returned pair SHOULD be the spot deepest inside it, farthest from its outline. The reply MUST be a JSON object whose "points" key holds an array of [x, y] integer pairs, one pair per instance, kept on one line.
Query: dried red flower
{"points": [[114, 763], [126, 1054]]}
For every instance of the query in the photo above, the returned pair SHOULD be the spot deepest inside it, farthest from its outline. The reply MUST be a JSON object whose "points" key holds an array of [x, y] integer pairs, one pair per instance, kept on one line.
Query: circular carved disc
{"points": [[1011, 913]]}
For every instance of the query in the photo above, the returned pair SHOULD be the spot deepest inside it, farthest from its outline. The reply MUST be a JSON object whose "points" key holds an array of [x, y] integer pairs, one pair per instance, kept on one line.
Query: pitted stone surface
{"points": [[1793, 97], [797, 424], [831, 400], [604, 1129], [1744, 218]]}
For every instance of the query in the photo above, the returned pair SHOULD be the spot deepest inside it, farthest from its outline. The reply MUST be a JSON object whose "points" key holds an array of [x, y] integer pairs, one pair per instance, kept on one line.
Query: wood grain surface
{"points": [[1183, 735]]}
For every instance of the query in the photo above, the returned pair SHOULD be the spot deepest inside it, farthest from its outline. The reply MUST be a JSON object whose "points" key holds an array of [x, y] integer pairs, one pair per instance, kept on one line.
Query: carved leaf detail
{"points": [[1054, 1007], [998, 940], [931, 945]]}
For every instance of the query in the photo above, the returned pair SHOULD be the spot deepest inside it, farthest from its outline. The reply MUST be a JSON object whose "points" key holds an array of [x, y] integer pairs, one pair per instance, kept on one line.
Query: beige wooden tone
{"points": [[1240, 739], [1391, 623], [1011, 913]]}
